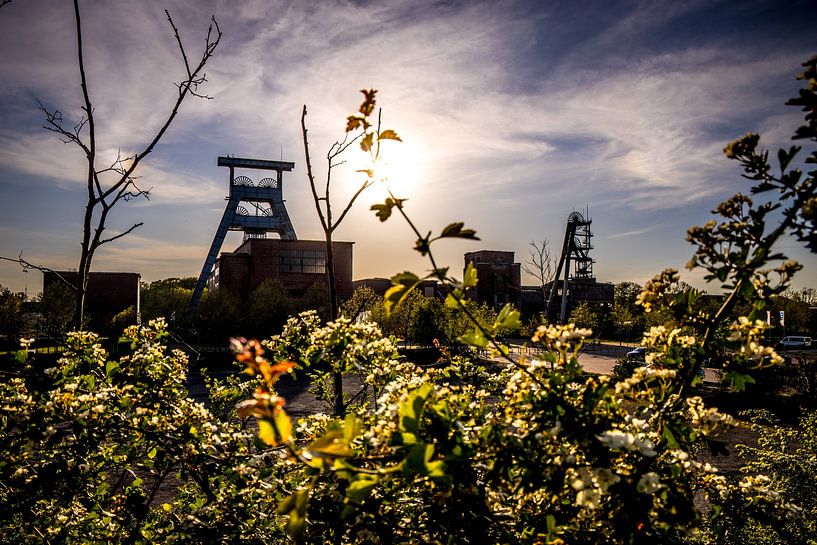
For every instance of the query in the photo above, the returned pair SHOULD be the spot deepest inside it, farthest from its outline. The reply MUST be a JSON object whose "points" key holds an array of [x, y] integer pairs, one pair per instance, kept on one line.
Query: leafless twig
{"points": [[116, 182], [26, 265], [539, 263]]}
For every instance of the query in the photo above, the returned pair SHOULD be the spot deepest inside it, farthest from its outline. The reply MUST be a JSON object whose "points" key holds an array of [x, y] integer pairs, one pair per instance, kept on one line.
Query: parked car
{"points": [[793, 341], [637, 354]]}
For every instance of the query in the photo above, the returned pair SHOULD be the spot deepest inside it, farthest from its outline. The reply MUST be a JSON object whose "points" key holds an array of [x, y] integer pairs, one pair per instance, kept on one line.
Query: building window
{"points": [[302, 261], [212, 280]]}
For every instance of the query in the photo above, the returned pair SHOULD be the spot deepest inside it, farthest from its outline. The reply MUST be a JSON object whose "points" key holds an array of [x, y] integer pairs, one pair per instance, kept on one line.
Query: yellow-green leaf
{"points": [[330, 445], [402, 284], [283, 425], [469, 280], [388, 134], [360, 488], [266, 432], [366, 142]]}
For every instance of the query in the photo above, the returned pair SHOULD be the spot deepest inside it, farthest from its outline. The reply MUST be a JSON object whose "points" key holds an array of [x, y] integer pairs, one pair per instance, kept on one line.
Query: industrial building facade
{"points": [[298, 264], [108, 293], [499, 282], [499, 279]]}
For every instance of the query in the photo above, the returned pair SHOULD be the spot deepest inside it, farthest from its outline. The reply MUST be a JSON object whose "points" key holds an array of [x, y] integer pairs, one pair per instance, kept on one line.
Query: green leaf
{"points": [[469, 279], [738, 380], [283, 425], [455, 230], [419, 461], [411, 410], [669, 437], [352, 427], [295, 506], [360, 487], [384, 210], [508, 318], [423, 245], [110, 367], [474, 338], [452, 299], [388, 134], [266, 432], [441, 273], [152, 453], [402, 284]]}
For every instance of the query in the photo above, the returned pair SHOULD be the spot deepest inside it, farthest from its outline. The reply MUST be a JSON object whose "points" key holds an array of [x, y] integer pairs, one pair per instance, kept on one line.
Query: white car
{"points": [[789, 342]]}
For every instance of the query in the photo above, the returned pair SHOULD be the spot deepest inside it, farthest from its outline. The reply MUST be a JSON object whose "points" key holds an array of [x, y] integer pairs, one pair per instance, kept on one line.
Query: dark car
{"points": [[637, 354]]}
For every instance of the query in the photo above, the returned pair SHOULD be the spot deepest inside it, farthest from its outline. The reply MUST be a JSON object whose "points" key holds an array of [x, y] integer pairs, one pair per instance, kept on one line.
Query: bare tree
{"points": [[358, 128], [115, 182], [323, 204], [540, 264]]}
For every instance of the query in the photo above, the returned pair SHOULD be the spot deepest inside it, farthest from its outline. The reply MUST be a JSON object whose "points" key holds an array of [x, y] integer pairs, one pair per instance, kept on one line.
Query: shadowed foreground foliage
{"points": [[534, 452]]}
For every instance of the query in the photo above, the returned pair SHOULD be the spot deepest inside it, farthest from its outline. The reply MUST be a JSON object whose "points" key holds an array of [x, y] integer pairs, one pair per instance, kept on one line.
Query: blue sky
{"points": [[513, 114]]}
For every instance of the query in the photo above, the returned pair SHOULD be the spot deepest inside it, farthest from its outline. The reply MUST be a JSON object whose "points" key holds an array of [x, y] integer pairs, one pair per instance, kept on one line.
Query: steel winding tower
{"points": [[576, 248], [254, 209]]}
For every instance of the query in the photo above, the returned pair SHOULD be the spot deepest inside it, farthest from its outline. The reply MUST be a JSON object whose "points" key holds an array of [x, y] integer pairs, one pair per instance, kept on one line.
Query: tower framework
{"points": [[576, 248], [255, 209]]}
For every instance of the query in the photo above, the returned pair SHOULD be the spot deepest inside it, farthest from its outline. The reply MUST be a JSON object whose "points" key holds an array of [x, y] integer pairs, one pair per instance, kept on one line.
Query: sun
{"points": [[401, 168]]}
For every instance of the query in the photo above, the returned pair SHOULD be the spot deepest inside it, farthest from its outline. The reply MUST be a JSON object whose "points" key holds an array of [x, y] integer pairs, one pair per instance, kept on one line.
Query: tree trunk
{"points": [[337, 376], [85, 257]]}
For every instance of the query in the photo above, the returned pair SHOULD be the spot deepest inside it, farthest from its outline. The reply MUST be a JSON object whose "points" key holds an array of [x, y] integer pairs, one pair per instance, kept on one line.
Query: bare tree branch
{"points": [[360, 190], [120, 235], [539, 263], [116, 182], [54, 123], [26, 265], [310, 176]]}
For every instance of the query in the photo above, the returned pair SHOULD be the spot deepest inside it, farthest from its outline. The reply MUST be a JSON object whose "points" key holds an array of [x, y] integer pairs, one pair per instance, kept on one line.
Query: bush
{"points": [[625, 367], [539, 452], [113, 451]]}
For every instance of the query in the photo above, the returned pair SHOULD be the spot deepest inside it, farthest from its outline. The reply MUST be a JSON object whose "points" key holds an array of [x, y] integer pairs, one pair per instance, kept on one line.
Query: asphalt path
{"points": [[601, 359], [603, 365]]}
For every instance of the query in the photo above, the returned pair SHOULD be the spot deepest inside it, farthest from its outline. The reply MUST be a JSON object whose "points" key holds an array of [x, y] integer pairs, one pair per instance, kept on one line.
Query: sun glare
{"points": [[400, 168]]}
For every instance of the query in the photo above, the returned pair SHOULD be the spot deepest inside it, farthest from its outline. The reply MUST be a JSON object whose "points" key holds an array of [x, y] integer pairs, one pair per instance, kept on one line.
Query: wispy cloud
{"points": [[634, 232]]}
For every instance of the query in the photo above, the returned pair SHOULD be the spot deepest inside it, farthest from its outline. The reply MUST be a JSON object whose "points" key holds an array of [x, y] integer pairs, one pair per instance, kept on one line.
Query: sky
{"points": [[512, 115]]}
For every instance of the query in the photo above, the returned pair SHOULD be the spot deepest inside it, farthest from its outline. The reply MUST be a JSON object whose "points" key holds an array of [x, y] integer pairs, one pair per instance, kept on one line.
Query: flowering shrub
{"points": [[555, 455], [538, 452], [91, 447]]}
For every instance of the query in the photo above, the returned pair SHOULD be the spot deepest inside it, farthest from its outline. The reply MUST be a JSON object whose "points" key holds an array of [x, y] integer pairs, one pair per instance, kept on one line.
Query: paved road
{"points": [[603, 365]]}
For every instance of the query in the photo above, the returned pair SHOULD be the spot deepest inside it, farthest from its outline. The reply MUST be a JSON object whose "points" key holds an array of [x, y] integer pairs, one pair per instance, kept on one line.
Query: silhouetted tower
{"points": [[576, 248], [254, 209]]}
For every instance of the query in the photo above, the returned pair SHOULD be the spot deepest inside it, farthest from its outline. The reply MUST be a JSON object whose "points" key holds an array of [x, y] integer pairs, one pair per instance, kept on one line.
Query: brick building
{"points": [[298, 264], [429, 288], [108, 293], [499, 279], [599, 295]]}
